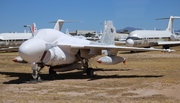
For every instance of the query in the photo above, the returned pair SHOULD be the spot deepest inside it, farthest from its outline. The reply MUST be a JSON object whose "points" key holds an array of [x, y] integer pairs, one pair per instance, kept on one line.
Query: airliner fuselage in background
{"points": [[149, 38], [13, 39]]}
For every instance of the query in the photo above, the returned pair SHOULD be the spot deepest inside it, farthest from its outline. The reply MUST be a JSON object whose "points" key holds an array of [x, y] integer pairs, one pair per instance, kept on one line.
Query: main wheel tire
{"points": [[51, 71], [90, 72], [165, 46]]}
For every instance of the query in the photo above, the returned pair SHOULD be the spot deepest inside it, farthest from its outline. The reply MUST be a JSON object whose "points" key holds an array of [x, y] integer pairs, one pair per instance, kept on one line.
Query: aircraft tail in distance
{"points": [[59, 23], [170, 24], [34, 28], [108, 33]]}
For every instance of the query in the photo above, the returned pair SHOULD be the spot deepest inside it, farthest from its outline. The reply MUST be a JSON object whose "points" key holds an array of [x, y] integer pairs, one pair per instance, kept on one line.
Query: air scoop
{"points": [[32, 50]]}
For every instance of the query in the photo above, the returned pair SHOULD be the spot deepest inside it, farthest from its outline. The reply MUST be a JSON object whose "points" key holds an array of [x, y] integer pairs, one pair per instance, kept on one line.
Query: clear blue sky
{"points": [[134, 13]]}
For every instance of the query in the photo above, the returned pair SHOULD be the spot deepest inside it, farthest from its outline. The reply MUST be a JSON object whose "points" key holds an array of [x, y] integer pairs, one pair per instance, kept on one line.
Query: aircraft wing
{"points": [[169, 42], [112, 47]]}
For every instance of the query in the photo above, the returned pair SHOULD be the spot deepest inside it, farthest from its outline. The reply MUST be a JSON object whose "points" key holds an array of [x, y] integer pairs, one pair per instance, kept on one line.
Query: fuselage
{"points": [[120, 36], [50, 47], [147, 38]]}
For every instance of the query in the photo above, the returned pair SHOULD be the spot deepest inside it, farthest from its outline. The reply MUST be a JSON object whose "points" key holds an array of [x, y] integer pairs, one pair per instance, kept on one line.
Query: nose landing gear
{"points": [[36, 71]]}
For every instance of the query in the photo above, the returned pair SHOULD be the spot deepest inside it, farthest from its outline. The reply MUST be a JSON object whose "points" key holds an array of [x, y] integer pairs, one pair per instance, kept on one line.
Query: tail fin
{"points": [[67, 31], [34, 28], [170, 24], [59, 24], [108, 33]]}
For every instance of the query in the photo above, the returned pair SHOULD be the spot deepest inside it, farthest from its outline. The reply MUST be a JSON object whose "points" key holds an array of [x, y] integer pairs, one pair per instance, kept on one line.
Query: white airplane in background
{"points": [[119, 38], [60, 22], [49, 47], [80, 37], [149, 38], [11, 41]]}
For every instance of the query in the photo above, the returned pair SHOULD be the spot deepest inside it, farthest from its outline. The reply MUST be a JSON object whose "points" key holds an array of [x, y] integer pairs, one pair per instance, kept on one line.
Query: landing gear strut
{"points": [[87, 70], [84, 61], [36, 71]]}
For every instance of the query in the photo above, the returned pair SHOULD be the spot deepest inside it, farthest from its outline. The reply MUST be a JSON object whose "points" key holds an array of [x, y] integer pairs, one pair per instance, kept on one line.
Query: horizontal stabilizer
{"points": [[171, 17]]}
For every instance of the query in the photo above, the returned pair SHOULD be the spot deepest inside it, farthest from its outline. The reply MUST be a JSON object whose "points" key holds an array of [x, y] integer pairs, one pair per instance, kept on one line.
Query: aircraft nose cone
{"points": [[32, 50], [129, 42]]}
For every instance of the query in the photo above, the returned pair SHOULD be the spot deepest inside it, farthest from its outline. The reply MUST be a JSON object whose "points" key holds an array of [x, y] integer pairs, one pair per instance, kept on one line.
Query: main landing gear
{"points": [[36, 71], [87, 70], [52, 73], [90, 71], [166, 47]]}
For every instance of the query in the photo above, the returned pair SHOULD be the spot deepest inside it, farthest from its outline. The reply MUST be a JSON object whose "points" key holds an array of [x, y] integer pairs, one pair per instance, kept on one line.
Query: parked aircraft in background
{"points": [[60, 52], [149, 38], [80, 37], [11, 41], [119, 38], [18, 59]]}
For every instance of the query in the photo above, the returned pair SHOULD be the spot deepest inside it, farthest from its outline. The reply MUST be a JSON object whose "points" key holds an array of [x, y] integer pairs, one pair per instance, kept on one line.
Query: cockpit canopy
{"points": [[48, 35], [134, 38]]}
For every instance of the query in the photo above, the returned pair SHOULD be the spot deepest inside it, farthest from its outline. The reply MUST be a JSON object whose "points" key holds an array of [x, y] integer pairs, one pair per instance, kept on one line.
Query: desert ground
{"points": [[147, 77]]}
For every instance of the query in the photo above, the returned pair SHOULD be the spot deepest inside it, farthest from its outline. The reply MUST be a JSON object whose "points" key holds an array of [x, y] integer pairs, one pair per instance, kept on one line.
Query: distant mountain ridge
{"points": [[176, 30]]}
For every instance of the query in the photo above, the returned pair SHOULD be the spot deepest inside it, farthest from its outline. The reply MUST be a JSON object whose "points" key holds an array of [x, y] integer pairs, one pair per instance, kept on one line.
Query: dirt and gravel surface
{"points": [[147, 77]]}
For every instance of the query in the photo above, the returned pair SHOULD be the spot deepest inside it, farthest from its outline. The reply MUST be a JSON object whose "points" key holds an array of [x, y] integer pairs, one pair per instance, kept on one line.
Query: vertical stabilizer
{"points": [[34, 27], [108, 33], [58, 25], [67, 31], [170, 24]]}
